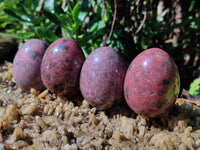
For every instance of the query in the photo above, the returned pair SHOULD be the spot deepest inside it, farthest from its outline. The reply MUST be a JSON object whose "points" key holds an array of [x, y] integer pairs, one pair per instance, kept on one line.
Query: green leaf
{"points": [[19, 13], [6, 19], [3, 24], [67, 20], [88, 36], [195, 87], [30, 4], [198, 104], [58, 10], [52, 17], [26, 35], [171, 28], [94, 27], [191, 6], [84, 10], [49, 5], [75, 13], [68, 32], [46, 35], [67, 24], [13, 15], [12, 36], [85, 53], [82, 15], [65, 33], [59, 20], [27, 8]]}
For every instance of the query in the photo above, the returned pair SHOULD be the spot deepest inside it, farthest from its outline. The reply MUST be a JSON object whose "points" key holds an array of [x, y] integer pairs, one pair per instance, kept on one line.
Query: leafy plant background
{"points": [[129, 26]]}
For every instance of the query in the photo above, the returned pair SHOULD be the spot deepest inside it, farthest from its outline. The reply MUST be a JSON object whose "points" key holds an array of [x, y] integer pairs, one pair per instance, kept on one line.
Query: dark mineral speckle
{"points": [[35, 55]]}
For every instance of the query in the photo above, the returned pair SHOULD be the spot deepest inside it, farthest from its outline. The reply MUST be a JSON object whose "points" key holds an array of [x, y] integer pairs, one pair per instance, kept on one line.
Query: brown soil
{"points": [[43, 121]]}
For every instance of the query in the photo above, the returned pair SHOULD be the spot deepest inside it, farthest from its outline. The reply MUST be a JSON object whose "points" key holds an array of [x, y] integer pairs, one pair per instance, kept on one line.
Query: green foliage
{"points": [[195, 87], [159, 29], [53, 22], [21, 20], [171, 25]]}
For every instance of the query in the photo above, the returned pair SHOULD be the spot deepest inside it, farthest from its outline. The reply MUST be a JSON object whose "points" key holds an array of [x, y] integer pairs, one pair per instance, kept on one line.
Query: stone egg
{"points": [[61, 66], [26, 65], [102, 77], [152, 83]]}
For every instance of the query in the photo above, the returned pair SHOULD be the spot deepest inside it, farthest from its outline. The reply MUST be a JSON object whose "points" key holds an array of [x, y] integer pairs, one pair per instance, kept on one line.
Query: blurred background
{"points": [[129, 26]]}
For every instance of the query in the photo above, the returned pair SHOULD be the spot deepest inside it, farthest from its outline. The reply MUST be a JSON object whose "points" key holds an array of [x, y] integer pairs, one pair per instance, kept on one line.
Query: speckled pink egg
{"points": [[26, 65], [102, 77], [61, 66], [152, 83]]}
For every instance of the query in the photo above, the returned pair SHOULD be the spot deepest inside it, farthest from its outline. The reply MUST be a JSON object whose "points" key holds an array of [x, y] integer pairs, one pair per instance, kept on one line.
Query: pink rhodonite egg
{"points": [[61, 66], [26, 65], [152, 83], [102, 77]]}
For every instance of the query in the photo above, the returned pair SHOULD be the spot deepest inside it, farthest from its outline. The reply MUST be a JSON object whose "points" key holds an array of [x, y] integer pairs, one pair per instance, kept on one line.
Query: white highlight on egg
{"points": [[145, 63]]}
